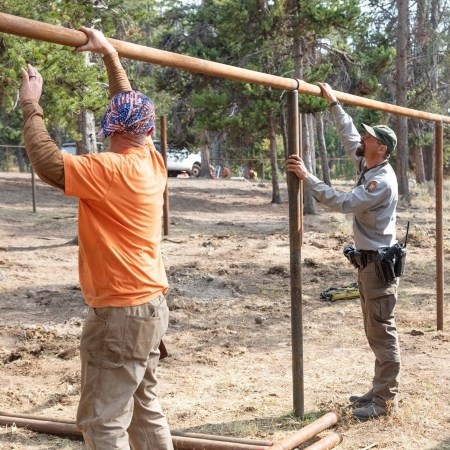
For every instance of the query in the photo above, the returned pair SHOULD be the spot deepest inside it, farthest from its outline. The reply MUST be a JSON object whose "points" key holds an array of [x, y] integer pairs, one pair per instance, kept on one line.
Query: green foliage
{"points": [[10, 126], [71, 81], [218, 31], [374, 63], [65, 92], [320, 18]]}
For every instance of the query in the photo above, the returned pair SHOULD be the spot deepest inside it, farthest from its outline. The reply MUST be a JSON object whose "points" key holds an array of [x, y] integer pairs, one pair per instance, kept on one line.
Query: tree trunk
{"points": [[21, 160], [86, 127], [284, 131], [215, 139], [419, 168], [309, 202], [205, 171], [312, 143], [434, 21], [419, 78], [323, 149], [434, 69], [429, 162], [276, 196], [401, 98]]}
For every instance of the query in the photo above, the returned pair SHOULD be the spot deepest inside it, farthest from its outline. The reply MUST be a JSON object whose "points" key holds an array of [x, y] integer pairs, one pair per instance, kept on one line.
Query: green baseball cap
{"points": [[383, 134]]}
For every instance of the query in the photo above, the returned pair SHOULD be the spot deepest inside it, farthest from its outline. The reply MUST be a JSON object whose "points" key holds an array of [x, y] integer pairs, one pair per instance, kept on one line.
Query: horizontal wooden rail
{"points": [[349, 99], [33, 29]]}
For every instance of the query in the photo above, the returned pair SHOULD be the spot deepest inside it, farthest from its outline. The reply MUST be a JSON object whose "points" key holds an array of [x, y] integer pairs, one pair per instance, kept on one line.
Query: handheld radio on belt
{"points": [[391, 263]]}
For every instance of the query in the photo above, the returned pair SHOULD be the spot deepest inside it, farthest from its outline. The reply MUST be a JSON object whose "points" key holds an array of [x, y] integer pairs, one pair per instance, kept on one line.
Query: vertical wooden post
{"points": [[163, 135], [295, 234], [439, 152]]}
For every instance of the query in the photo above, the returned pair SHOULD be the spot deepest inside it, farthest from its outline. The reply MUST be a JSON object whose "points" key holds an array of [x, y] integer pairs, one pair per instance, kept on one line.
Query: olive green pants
{"points": [[118, 406], [378, 300]]}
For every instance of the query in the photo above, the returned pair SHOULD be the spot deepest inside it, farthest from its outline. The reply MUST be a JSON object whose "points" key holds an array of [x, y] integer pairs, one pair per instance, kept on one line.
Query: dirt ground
{"points": [[229, 370]]}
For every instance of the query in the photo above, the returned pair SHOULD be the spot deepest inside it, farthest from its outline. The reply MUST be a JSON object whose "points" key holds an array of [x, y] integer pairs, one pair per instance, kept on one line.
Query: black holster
{"points": [[349, 252], [391, 263]]}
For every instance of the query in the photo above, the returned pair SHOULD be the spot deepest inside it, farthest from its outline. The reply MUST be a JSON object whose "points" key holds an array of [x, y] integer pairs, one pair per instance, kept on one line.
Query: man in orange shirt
{"points": [[120, 265]]}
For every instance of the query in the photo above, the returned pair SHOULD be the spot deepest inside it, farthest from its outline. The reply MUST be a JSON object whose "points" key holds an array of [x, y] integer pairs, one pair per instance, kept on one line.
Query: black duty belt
{"points": [[369, 255], [360, 258]]}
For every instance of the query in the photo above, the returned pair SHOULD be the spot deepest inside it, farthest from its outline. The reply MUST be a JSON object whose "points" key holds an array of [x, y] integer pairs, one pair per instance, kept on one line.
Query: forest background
{"points": [[392, 51]]}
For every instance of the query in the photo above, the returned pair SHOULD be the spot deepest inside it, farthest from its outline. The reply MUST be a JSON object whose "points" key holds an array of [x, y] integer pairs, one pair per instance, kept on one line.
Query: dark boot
{"points": [[372, 411], [362, 399]]}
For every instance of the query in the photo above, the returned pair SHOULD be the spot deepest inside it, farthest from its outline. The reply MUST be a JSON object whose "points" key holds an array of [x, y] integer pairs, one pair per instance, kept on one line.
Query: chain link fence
{"points": [[14, 158], [340, 168]]}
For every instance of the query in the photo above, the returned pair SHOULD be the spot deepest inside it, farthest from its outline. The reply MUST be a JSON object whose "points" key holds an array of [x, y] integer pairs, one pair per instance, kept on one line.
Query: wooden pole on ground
{"points": [[305, 433], [329, 441], [43, 426], [70, 429], [189, 441]]}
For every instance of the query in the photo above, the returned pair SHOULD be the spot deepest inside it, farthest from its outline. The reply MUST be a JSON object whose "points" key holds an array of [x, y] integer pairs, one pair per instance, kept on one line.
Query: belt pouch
{"points": [[385, 269], [400, 261]]}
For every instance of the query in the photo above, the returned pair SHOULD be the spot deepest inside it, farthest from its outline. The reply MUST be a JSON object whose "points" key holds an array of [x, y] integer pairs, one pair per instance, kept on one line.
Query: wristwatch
{"points": [[336, 102]]}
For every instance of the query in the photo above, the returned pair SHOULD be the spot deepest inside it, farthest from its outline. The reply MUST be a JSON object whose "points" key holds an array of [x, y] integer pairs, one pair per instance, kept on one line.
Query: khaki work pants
{"points": [[378, 300], [118, 406]]}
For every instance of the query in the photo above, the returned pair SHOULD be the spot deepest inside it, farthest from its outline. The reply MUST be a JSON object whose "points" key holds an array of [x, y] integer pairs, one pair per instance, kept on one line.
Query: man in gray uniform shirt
{"points": [[373, 202]]}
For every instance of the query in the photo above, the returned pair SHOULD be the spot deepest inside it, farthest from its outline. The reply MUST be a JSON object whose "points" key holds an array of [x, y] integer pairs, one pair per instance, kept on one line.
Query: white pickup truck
{"points": [[181, 160]]}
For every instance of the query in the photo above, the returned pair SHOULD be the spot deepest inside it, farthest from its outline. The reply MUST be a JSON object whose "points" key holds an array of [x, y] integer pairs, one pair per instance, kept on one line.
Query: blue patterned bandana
{"points": [[128, 112]]}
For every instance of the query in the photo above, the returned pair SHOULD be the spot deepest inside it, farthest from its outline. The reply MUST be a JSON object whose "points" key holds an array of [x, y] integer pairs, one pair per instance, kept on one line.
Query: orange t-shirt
{"points": [[119, 224]]}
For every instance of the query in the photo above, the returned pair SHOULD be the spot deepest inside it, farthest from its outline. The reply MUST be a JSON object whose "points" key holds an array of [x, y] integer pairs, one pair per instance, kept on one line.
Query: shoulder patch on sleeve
{"points": [[371, 186]]}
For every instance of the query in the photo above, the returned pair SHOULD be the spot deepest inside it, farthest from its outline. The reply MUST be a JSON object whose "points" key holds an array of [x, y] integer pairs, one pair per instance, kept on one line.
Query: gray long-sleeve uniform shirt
{"points": [[373, 202]]}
